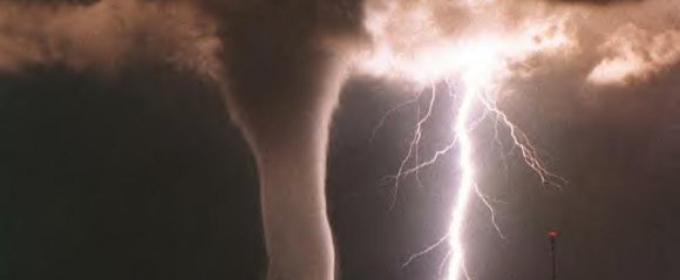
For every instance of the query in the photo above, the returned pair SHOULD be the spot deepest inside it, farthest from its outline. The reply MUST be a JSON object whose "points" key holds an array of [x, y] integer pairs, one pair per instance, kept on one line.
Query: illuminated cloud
{"points": [[611, 42], [632, 53]]}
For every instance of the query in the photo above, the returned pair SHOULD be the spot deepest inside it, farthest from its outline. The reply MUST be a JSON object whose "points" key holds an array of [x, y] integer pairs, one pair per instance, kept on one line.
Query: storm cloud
{"points": [[281, 65]]}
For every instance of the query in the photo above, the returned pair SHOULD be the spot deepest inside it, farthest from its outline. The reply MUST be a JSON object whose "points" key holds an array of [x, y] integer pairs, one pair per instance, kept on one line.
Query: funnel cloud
{"points": [[281, 65]]}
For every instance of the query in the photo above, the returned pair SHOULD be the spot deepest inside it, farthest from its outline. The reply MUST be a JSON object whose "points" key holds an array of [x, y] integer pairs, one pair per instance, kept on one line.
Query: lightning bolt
{"points": [[466, 182], [478, 89], [479, 83], [480, 62], [480, 77]]}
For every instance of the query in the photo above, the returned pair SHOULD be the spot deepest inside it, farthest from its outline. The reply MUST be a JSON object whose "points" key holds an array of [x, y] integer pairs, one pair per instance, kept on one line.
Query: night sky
{"points": [[118, 158], [144, 177]]}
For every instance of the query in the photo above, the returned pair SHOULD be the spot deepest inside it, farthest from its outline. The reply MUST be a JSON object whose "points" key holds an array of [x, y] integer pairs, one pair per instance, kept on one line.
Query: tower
{"points": [[552, 235]]}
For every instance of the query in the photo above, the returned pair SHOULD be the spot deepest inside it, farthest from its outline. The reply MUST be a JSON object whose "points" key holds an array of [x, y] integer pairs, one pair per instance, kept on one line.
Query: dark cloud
{"points": [[105, 36], [53, 2], [597, 2]]}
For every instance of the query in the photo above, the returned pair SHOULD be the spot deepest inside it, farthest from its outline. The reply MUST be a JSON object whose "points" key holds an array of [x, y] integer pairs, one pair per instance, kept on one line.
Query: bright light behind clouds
{"points": [[480, 58], [632, 53], [482, 45], [412, 46]]}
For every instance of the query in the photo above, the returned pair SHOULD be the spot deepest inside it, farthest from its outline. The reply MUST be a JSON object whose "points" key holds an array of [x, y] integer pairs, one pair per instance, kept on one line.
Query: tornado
{"points": [[279, 64], [285, 63], [284, 112]]}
